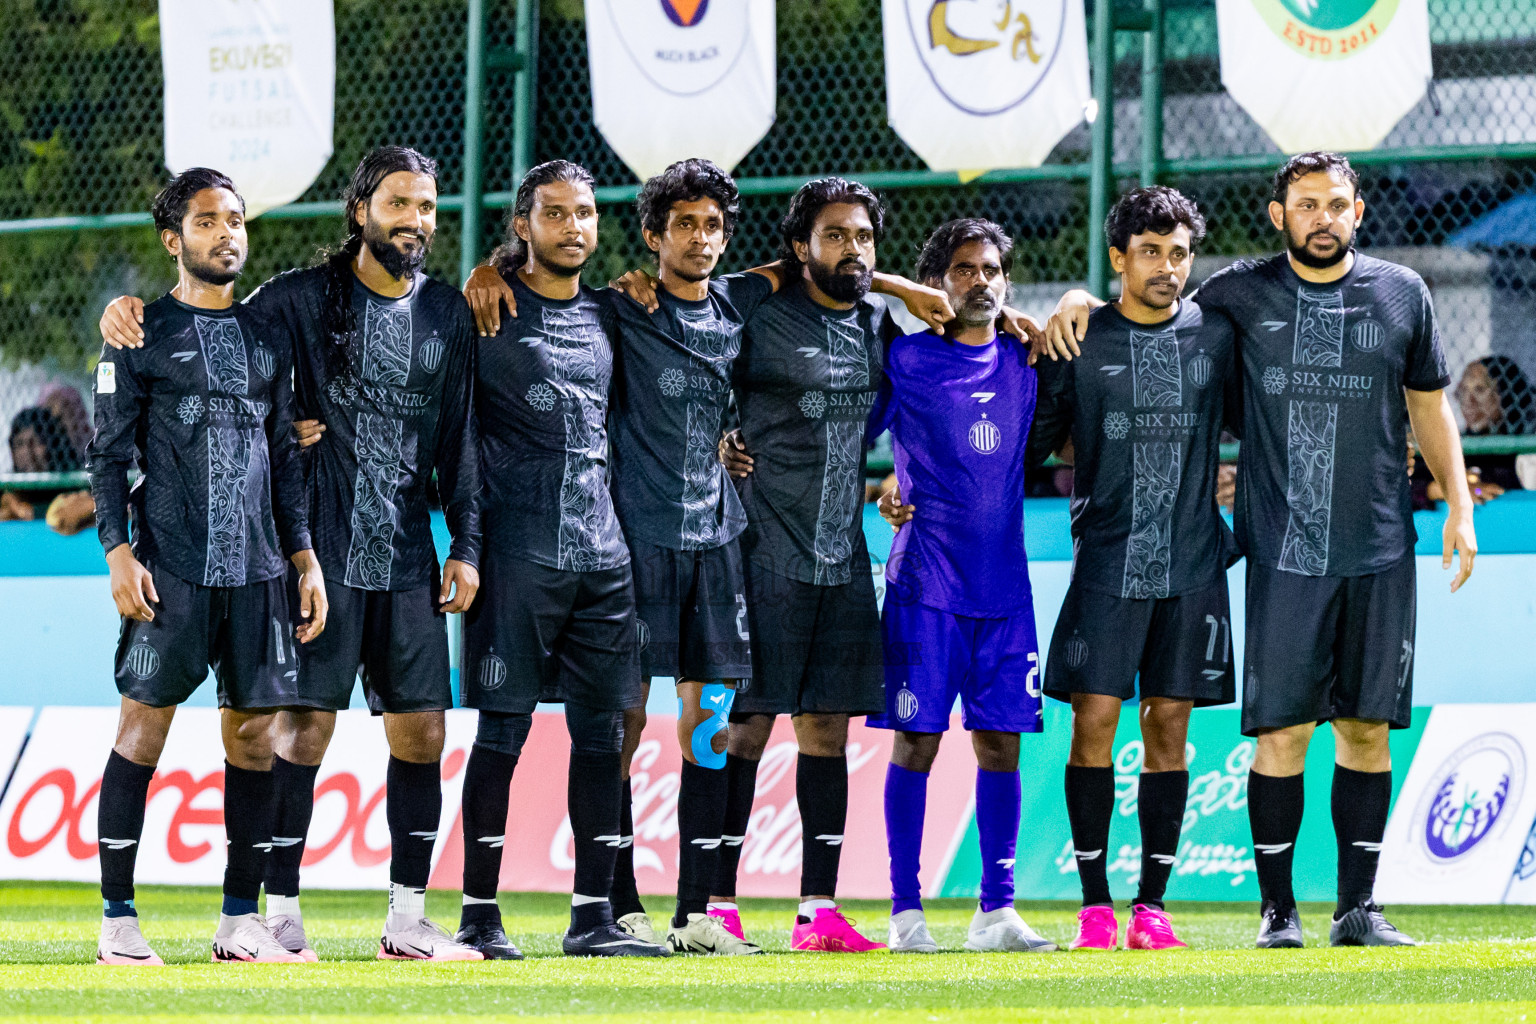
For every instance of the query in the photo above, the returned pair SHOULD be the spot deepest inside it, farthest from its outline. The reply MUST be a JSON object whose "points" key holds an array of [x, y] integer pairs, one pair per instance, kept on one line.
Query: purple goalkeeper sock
{"points": [[906, 798], [999, 800]]}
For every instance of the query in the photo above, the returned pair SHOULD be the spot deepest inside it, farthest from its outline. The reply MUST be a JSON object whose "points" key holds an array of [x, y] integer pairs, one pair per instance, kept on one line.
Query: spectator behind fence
{"points": [[40, 443], [68, 408], [1496, 398]]}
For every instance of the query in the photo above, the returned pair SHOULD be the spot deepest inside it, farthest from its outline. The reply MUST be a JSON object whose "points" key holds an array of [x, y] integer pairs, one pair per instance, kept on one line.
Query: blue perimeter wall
{"points": [[59, 629]]}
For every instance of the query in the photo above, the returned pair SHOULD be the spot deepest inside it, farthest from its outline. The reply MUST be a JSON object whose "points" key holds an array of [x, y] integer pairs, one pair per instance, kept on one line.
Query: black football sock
{"points": [[740, 789], [248, 829], [487, 780], [593, 803], [1360, 804], [293, 804], [1275, 804], [821, 791], [700, 812], [1090, 803], [120, 826], [625, 896], [413, 804], [1160, 808]]}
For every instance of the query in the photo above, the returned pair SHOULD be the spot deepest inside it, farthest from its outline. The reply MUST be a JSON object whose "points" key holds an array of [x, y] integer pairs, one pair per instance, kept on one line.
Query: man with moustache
{"points": [[1340, 353], [384, 374], [205, 411]]}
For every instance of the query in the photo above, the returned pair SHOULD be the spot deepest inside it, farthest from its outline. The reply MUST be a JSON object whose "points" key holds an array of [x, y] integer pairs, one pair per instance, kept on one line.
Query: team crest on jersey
{"points": [[264, 361], [431, 354], [1367, 335], [642, 634], [143, 660], [985, 436], [1077, 651], [1199, 370], [493, 672], [906, 705]]}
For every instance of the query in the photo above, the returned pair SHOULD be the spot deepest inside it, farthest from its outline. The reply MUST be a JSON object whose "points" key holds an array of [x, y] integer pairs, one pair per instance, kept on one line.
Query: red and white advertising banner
{"points": [[538, 851], [48, 816]]}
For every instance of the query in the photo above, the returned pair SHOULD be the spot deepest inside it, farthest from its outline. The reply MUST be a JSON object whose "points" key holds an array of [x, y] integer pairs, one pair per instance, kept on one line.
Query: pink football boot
{"points": [[1097, 929], [731, 919], [830, 932], [1150, 929]]}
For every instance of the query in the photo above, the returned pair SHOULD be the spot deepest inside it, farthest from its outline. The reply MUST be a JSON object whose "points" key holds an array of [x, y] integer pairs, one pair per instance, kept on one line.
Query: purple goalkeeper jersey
{"points": [[959, 417]]}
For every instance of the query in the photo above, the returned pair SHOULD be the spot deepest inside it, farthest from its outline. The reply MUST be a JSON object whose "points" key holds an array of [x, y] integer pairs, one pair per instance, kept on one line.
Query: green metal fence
{"points": [[488, 87]]}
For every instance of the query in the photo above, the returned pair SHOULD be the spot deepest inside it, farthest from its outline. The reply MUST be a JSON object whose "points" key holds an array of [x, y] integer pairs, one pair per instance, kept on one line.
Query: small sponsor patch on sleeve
{"points": [[106, 378]]}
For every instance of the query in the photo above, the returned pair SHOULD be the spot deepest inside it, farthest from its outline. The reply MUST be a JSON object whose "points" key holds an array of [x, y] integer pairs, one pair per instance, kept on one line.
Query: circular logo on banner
{"points": [[430, 354], [906, 705], [1327, 29], [1200, 369], [985, 437], [1469, 794], [1367, 336], [493, 672], [962, 43], [684, 47], [143, 660]]}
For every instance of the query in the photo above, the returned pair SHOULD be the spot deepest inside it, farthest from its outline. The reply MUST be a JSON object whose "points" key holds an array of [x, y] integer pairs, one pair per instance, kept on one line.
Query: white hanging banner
{"points": [[1325, 74], [973, 85], [250, 90], [673, 79]]}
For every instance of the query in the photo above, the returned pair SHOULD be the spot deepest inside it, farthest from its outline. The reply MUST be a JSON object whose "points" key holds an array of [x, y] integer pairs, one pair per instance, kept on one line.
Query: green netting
{"points": [[80, 106]]}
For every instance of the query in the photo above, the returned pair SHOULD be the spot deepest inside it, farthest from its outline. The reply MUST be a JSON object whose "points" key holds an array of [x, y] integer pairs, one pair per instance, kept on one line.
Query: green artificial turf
{"points": [[1479, 964]]}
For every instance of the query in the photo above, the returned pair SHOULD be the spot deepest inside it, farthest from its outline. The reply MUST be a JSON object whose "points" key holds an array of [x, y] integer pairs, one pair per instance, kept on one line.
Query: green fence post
{"points": [[526, 89], [1152, 95], [474, 140], [1101, 180]]}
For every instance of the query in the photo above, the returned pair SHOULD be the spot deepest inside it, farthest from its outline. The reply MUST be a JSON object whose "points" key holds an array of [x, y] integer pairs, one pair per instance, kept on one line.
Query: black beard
{"points": [[1306, 258], [839, 285], [396, 264], [205, 270], [559, 270]]}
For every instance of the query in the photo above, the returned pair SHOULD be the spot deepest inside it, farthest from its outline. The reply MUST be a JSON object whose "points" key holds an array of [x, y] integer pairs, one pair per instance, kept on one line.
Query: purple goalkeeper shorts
{"points": [[932, 657]]}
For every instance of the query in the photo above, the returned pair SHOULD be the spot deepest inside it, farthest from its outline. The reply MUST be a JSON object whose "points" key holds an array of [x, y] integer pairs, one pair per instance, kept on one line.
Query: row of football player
{"points": [[757, 598]]}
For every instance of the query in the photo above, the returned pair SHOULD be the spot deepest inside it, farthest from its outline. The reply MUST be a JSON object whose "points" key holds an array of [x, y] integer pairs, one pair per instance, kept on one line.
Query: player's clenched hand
{"points": [[309, 431], [930, 305], [313, 604], [892, 510], [640, 286], [460, 582], [733, 453], [486, 290], [133, 588], [122, 322], [1458, 537], [1069, 324]]}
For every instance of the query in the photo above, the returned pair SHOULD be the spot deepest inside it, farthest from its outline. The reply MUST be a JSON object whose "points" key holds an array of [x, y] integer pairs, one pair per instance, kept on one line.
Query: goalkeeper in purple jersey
{"points": [[958, 619]]}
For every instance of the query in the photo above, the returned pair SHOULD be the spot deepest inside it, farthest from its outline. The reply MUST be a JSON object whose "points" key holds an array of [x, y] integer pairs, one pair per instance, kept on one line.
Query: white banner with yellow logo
{"points": [[249, 90], [681, 78], [1325, 74], [973, 85]]}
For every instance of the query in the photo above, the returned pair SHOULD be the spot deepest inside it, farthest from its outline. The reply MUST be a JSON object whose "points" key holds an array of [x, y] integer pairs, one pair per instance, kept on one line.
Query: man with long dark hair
{"points": [[384, 366], [556, 620]]}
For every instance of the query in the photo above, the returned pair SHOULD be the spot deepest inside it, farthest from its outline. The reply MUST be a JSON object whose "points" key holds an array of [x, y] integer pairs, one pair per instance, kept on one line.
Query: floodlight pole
{"points": [[1152, 95], [474, 139]]}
